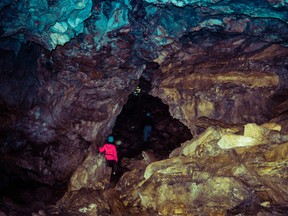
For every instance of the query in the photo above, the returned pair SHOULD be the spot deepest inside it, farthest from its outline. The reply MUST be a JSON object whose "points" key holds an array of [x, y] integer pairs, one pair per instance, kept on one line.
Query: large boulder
{"points": [[205, 176]]}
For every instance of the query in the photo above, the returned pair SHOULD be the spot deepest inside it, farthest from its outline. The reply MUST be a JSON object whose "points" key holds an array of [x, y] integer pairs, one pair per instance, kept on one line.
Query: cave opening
{"points": [[167, 133]]}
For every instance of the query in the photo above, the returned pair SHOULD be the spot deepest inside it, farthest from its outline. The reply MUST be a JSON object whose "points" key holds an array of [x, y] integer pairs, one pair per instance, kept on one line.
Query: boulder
{"points": [[202, 177]]}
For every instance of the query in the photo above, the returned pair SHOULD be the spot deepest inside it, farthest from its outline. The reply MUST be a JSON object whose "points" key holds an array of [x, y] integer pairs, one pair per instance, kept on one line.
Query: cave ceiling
{"points": [[68, 67]]}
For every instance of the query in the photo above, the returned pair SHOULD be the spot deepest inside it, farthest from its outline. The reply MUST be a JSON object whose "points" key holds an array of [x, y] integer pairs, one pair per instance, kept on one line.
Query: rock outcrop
{"points": [[211, 82], [202, 177], [205, 177]]}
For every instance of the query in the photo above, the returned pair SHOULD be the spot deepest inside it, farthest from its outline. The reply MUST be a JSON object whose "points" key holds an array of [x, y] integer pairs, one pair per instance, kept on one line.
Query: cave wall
{"points": [[232, 80], [73, 106], [226, 60]]}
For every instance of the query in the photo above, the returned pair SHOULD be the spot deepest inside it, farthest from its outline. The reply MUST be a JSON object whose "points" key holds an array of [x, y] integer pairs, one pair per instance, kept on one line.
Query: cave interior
{"points": [[213, 74]]}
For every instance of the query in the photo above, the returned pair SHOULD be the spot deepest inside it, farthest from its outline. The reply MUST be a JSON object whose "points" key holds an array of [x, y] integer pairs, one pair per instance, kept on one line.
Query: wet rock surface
{"points": [[68, 70]]}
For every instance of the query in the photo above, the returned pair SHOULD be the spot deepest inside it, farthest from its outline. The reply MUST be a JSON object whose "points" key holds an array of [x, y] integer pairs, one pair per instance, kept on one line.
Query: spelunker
{"points": [[110, 151]]}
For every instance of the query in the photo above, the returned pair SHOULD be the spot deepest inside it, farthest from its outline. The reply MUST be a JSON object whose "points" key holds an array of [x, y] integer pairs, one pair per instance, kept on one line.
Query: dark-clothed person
{"points": [[148, 125]]}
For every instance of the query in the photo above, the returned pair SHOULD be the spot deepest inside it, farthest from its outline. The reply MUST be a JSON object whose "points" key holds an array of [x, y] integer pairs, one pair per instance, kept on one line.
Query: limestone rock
{"points": [[172, 197], [218, 180], [92, 174], [253, 135], [178, 186], [128, 182], [277, 152], [205, 122], [272, 126], [233, 141], [84, 202], [189, 98], [190, 147], [149, 157], [256, 132], [88, 202]]}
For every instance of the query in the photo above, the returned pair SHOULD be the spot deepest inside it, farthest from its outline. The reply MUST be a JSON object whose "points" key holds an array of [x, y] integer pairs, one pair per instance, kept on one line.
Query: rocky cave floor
{"points": [[23, 197], [20, 196]]}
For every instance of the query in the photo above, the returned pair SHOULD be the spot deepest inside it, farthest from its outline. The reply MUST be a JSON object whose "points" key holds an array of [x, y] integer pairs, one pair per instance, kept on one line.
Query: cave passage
{"points": [[168, 133]]}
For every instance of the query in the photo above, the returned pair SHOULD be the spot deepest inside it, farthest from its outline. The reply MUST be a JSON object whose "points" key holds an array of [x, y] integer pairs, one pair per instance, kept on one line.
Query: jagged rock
{"points": [[177, 185], [174, 198], [189, 98], [276, 153], [45, 23], [93, 174], [39, 213], [191, 182], [278, 4], [206, 138], [233, 141], [90, 202], [281, 120], [205, 122], [49, 123], [112, 197], [84, 202], [149, 157], [253, 135]]}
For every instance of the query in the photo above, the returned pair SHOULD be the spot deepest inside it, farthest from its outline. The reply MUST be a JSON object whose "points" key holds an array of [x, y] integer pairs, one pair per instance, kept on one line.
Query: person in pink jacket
{"points": [[110, 151]]}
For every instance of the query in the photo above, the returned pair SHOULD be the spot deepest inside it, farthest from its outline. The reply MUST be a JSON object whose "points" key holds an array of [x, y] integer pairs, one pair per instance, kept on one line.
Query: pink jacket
{"points": [[110, 151]]}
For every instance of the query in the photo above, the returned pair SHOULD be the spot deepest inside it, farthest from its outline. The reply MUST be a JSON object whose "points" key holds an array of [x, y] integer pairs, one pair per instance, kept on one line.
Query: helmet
{"points": [[110, 139]]}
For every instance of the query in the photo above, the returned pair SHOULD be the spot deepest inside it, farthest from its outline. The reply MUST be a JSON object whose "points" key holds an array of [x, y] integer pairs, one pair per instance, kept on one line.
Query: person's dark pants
{"points": [[147, 132], [112, 164]]}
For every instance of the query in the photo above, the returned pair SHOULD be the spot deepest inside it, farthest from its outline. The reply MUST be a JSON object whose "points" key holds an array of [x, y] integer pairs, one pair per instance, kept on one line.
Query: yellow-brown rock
{"points": [[253, 135], [231, 89], [205, 122], [84, 202], [190, 146], [177, 185], [93, 174], [277, 152], [201, 178]]}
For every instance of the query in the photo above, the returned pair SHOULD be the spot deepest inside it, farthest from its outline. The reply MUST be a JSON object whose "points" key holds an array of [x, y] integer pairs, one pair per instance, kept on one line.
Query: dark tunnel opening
{"points": [[167, 133]]}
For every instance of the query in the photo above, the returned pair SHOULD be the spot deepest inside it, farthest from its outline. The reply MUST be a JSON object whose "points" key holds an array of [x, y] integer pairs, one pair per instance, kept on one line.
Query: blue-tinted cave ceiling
{"points": [[52, 23]]}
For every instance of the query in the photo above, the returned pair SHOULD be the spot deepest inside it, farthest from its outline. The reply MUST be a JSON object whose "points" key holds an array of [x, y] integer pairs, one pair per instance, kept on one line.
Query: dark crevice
{"points": [[20, 195], [168, 133]]}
